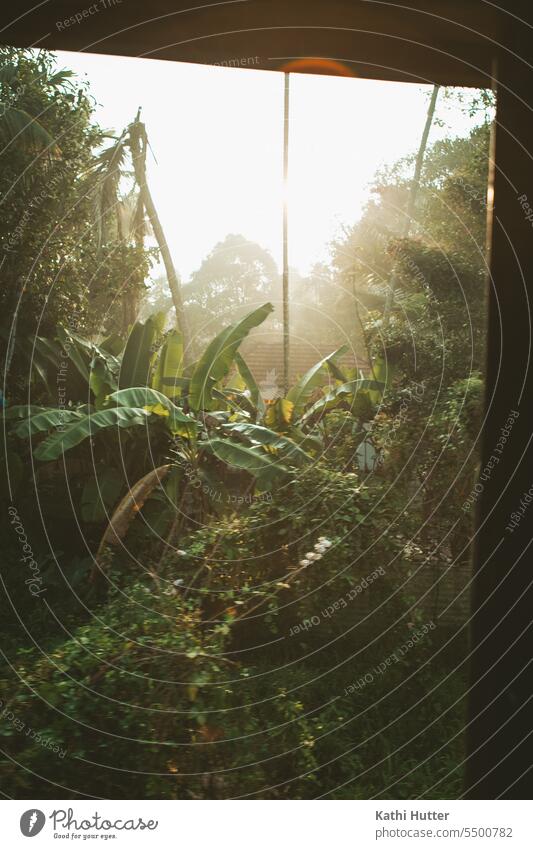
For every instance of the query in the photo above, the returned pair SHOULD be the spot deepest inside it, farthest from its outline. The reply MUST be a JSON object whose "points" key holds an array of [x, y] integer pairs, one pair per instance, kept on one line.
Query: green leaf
{"points": [[181, 383], [331, 399], [113, 344], [235, 383], [78, 352], [46, 420], [251, 385], [142, 396], [286, 447], [333, 367], [173, 486], [267, 472], [219, 355], [233, 400], [59, 78], [384, 373], [313, 378], [169, 366], [48, 350], [137, 356], [101, 381], [61, 441], [97, 368], [23, 411], [43, 358]]}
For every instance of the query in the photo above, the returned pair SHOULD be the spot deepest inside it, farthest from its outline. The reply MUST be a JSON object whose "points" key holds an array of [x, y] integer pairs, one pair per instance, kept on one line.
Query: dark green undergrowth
{"points": [[247, 678]]}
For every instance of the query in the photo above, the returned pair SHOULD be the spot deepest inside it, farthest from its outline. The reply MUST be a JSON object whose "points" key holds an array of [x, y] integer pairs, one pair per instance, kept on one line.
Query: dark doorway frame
{"points": [[451, 42]]}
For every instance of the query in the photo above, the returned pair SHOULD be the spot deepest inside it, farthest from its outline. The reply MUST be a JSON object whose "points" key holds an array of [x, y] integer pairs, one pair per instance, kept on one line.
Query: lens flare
{"points": [[315, 65]]}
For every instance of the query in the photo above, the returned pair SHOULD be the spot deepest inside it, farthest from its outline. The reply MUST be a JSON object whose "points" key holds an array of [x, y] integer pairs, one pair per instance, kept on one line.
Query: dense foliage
{"points": [[55, 267]]}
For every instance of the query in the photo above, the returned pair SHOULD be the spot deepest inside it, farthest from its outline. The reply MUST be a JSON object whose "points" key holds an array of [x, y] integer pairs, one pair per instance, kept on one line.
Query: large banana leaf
{"points": [[23, 411], [218, 357], [287, 448], [137, 356], [237, 402], [39, 357], [144, 396], [251, 385], [169, 366], [98, 369], [263, 468], [155, 402], [38, 364], [78, 352], [235, 382], [47, 420], [48, 350], [112, 344], [331, 399], [301, 391], [60, 441]]}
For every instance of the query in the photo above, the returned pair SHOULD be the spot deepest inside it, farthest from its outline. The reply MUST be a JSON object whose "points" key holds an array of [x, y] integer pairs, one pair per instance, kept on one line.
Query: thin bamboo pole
{"points": [[285, 237]]}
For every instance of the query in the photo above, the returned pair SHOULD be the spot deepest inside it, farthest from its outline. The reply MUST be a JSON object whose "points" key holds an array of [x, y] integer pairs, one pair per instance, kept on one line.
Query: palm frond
{"points": [[60, 78], [18, 125], [108, 173]]}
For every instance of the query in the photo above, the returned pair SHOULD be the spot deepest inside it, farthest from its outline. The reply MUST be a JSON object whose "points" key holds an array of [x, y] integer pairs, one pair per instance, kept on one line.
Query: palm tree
{"points": [[131, 148]]}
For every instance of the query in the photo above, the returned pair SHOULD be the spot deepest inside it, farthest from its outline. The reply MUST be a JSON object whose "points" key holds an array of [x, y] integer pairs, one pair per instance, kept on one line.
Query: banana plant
{"points": [[164, 397], [211, 413], [323, 388], [216, 361]]}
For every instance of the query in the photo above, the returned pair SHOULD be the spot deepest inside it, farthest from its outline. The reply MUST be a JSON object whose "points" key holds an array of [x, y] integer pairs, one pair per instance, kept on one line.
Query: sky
{"points": [[216, 135]]}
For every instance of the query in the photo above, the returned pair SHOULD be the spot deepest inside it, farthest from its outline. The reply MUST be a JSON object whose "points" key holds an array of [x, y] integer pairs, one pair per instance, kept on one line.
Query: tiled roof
{"points": [[265, 359]]}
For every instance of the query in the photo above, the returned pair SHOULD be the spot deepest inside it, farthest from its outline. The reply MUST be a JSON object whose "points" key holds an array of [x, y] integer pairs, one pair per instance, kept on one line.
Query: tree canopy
{"points": [[236, 275], [55, 270]]}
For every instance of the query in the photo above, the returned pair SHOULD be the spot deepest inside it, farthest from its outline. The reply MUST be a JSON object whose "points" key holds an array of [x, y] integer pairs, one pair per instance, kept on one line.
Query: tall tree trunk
{"points": [[138, 143], [413, 193]]}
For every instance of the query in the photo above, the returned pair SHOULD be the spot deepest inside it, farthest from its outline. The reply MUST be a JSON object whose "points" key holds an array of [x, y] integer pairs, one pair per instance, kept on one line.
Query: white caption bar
{"points": [[267, 824]]}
